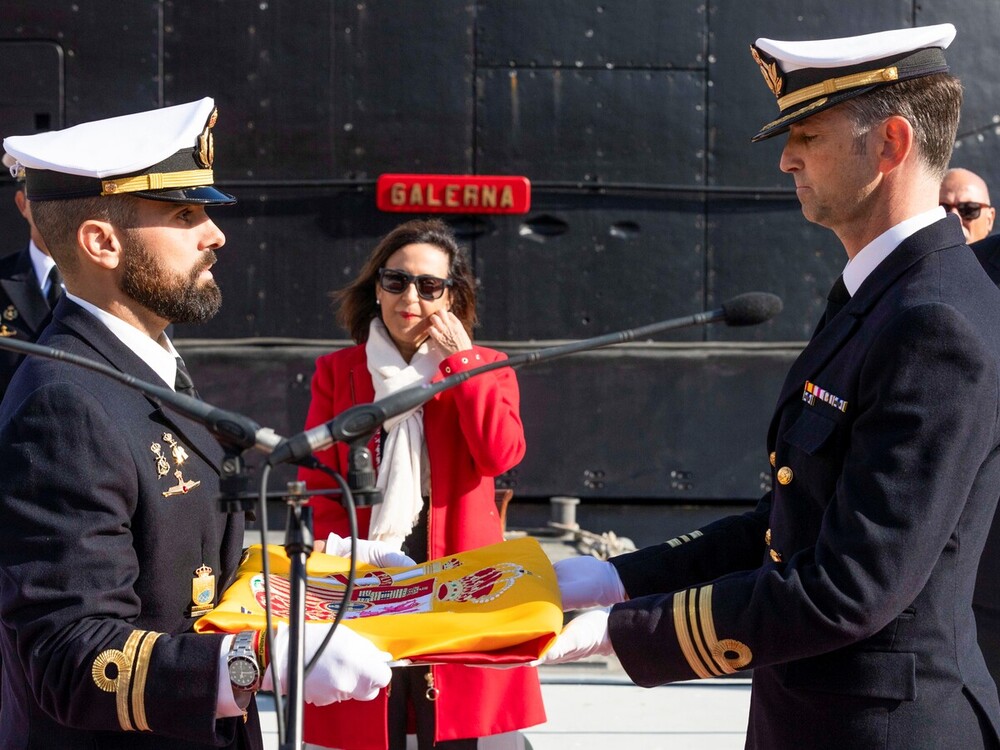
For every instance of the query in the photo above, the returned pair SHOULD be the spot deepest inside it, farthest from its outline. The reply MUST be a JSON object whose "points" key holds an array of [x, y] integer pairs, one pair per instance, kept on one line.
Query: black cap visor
{"points": [[204, 196]]}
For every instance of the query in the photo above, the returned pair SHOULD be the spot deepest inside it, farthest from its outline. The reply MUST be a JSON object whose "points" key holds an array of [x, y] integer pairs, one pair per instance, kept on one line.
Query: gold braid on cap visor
{"points": [[161, 181], [833, 85]]}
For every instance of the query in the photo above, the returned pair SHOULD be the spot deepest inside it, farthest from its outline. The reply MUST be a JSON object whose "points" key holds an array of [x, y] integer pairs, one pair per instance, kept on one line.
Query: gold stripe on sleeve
{"points": [[141, 673], [124, 681], [695, 603], [684, 636]]}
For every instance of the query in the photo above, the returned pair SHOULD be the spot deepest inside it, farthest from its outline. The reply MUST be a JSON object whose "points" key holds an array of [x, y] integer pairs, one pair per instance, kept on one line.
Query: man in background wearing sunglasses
{"points": [[965, 193]]}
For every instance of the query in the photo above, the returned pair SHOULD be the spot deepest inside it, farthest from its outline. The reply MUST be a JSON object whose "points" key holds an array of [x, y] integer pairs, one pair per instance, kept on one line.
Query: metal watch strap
{"points": [[242, 651]]}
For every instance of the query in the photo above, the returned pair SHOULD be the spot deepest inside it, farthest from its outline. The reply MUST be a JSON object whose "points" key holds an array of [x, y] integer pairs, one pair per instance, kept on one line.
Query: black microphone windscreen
{"points": [[751, 308]]}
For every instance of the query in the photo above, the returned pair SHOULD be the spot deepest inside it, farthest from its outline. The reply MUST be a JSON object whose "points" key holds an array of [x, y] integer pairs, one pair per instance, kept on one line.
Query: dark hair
{"points": [[931, 104], [357, 300], [58, 221]]}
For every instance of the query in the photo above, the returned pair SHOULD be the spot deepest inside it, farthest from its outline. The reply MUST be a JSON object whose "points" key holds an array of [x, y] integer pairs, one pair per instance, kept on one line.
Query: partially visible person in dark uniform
{"points": [[111, 540], [986, 600], [964, 193], [848, 590], [28, 291], [29, 286]]}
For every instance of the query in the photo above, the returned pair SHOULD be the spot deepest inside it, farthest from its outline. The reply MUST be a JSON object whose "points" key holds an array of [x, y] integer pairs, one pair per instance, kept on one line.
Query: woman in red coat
{"points": [[411, 311]]}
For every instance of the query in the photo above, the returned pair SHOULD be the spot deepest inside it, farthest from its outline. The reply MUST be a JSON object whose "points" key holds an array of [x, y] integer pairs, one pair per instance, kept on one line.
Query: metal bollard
{"points": [[564, 515]]}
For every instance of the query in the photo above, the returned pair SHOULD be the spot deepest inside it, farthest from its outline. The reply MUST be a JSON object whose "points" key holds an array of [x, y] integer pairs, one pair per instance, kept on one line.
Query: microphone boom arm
{"points": [[230, 427], [360, 421]]}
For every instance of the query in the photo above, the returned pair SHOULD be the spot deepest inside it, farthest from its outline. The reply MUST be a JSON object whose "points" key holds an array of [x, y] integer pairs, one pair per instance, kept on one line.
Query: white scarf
{"points": [[399, 471]]}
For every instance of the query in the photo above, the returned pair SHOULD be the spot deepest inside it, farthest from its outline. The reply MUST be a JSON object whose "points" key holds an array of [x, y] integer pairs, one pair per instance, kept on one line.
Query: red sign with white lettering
{"points": [[453, 194]]}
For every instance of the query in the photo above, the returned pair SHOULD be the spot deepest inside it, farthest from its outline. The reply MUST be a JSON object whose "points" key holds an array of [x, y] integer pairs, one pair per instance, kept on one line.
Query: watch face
{"points": [[243, 672]]}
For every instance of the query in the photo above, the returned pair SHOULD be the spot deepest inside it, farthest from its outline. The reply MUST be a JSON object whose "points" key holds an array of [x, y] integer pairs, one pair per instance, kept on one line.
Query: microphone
{"points": [[751, 308], [235, 429], [362, 420]]}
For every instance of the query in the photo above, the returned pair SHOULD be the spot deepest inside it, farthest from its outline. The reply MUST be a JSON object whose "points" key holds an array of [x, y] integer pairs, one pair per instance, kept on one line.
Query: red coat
{"points": [[473, 433]]}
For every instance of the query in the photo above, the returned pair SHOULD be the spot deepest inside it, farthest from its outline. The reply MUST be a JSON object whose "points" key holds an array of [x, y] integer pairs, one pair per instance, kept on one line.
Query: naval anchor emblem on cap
{"points": [[810, 76]]}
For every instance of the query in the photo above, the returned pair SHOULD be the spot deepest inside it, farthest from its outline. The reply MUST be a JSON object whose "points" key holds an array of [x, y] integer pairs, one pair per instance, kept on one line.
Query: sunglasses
{"points": [[396, 282], [968, 210]]}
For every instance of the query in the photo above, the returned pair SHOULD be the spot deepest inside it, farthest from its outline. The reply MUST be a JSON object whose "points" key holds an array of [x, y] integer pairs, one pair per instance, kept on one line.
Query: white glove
{"points": [[585, 635], [370, 551], [350, 667], [588, 582]]}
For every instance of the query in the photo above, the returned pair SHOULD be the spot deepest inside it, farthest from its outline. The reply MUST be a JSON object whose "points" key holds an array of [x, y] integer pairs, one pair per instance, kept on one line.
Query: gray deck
{"points": [[590, 711]]}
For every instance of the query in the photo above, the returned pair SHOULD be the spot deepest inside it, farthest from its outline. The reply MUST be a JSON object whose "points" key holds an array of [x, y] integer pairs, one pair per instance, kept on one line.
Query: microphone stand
{"points": [[234, 481], [298, 547], [361, 472]]}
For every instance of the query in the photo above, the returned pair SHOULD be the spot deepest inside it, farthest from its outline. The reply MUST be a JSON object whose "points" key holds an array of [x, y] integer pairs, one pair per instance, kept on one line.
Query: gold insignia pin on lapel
{"points": [[180, 455], [6, 332], [183, 486], [202, 591], [162, 465], [176, 449]]}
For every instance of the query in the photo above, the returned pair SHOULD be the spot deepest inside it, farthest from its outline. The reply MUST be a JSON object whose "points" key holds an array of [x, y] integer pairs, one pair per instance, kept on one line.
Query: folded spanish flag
{"points": [[494, 605]]}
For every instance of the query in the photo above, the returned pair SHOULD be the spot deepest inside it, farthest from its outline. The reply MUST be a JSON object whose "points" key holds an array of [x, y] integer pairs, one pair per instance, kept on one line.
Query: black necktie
{"points": [[182, 380], [836, 299], [55, 287]]}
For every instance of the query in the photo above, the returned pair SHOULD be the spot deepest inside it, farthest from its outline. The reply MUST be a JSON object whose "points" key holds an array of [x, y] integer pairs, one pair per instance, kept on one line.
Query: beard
{"points": [[177, 298]]}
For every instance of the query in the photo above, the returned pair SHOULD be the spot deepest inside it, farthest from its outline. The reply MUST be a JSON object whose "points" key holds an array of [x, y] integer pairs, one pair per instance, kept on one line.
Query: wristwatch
{"points": [[244, 671]]}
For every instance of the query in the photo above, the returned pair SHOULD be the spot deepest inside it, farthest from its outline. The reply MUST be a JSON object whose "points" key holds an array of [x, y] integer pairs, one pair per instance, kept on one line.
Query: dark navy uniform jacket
{"points": [[100, 547], [848, 590], [986, 602], [23, 309]]}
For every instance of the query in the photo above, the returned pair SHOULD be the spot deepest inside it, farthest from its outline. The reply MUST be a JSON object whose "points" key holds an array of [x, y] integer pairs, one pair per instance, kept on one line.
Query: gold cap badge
{"points": [[772, 77]]}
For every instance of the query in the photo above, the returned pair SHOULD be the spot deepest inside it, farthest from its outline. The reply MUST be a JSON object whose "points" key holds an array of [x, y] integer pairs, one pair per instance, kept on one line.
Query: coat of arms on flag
{"points": [[496, 604]]}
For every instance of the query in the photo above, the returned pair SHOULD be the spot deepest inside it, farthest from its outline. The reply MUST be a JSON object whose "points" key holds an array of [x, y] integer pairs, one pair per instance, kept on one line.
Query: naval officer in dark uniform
{"points": [[848, 590], [30, 284], [111, 540]]}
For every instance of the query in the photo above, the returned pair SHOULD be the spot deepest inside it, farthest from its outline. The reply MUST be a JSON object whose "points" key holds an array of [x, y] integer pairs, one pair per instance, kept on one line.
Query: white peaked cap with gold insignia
{"points": [[163, 154], [810, 76]]}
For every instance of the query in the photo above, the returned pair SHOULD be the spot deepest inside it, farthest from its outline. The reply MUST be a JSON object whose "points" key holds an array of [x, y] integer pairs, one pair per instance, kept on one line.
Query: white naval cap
{"points": [[163, 154], [810, 76]]}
